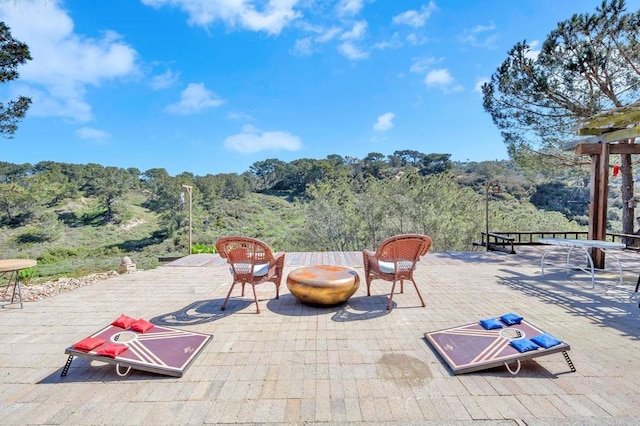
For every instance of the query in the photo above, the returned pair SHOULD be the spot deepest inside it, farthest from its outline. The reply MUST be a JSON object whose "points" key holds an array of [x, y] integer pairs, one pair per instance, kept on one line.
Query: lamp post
{"points": [[494, 187], [188, 189]]}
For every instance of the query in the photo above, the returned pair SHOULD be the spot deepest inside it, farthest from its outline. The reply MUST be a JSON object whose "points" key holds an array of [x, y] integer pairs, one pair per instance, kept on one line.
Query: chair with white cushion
{"points": [[251, 261], [395, 260]]}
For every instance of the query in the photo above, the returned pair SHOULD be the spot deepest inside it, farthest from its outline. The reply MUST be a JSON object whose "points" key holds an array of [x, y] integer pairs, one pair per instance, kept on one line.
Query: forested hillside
{"points": [[77, 219]]}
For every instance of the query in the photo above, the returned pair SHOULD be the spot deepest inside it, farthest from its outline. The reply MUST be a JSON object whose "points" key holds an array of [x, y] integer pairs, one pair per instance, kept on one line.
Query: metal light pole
{"points": [[189, 188], [494, 187]]}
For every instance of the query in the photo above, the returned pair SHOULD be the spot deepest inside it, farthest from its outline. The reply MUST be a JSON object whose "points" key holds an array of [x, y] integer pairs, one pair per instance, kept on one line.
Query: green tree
{"points": [[268, 173], [300, 173], [17, 201], [160, 189], [60, 179], [108, 185], [12, 54], [436, 163], [409, 157], [588, 64], [373, 164], [332, 217]]}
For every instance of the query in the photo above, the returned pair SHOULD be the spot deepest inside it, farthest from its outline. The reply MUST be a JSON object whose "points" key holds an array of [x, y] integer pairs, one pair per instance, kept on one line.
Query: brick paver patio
{"points": [[357, 363]]}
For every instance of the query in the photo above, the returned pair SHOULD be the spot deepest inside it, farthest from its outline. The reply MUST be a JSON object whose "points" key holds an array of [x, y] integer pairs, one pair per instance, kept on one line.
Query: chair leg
{"points": [[418, 291], [368, 281], [255, 296], [393, 288], [224, 305], [401, 286], [242, 290]]}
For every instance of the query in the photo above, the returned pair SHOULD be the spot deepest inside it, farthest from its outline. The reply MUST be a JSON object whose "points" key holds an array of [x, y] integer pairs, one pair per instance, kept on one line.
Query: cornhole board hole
{"points": [[470, 347], [161, 350]]}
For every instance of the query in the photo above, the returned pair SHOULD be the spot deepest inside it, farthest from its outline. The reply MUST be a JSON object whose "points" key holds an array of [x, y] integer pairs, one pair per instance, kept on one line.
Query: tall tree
{"points": [[108, 185], [588, 64], [12, 54], [436, 163], [268, 172]]}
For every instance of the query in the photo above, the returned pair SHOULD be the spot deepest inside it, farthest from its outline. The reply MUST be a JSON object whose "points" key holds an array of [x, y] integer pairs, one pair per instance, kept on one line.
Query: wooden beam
{"points": [[619, 148], [570, 146], [613, 136]]}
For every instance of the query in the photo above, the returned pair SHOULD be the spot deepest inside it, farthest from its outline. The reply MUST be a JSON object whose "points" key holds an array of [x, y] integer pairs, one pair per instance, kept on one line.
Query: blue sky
{"points": [[212, 86]]}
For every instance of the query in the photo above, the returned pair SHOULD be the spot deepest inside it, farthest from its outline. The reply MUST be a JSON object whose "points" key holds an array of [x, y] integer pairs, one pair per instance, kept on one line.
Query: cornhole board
{"points": [[470, 347], [161, 350]]}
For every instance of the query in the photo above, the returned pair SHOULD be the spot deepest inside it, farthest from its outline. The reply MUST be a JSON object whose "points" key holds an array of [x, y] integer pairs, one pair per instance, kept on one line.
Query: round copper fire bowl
{"points": [[323, 285]]}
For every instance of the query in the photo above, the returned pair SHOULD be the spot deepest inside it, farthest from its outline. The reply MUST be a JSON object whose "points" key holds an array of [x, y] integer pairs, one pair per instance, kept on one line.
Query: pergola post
{"points": [[599, 192]]}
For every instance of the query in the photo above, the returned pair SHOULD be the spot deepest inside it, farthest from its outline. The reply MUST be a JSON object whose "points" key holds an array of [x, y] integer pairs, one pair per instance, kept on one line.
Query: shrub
{"points": [[36, 234], [202, 248], [56, 254], [25, 275]]}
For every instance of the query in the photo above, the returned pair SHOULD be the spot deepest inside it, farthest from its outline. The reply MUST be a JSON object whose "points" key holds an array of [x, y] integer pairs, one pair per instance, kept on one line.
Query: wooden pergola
{"points": [[610, 132]]}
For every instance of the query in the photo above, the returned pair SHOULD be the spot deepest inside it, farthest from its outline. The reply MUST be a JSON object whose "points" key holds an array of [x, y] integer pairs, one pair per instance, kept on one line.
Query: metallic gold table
{"points": [[13, 267], [323, 285]]}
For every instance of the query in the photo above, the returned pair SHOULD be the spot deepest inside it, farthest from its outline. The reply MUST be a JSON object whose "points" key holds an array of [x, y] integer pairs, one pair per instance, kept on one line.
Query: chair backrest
{"points": [[244, 250], [404, 247]]}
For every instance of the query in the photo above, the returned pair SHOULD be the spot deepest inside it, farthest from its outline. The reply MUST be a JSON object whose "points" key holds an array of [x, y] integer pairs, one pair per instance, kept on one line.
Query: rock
{"points": [[32, 293], [126, 266]]}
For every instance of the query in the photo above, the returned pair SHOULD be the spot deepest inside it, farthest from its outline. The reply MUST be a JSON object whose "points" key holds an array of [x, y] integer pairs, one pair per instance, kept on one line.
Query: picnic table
{"points": [[584, 246]]}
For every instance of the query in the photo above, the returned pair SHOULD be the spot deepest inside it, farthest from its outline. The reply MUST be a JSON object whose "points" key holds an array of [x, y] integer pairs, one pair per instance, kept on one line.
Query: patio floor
{"points": [[356, 363]]}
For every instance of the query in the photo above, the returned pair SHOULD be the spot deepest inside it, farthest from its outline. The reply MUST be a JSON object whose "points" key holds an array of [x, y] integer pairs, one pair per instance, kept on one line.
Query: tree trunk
{"points": [[626, 190]]}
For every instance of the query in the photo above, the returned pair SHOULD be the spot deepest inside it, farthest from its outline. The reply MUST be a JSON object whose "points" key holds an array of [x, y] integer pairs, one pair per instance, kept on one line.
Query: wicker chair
{"points": [[251, 262], [395, 260]]}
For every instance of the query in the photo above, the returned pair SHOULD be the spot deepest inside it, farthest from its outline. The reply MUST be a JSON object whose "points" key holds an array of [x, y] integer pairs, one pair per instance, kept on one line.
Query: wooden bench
{"points": [[500, 242]]}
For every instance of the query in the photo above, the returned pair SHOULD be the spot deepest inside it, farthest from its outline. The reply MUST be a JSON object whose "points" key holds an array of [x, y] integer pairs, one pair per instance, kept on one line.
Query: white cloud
{"points": [[270, 16], [307, 45], [239, 116], [484, 28], [357, 31], [193, 99], [328, 34], [303, 47], [416, 39], [384, 122], [64, 63], [349, 7], [421, 65], [415, 18], [251, 140], [441, 78], [164, 80], [90, 133], [477, 36], [349, 50], [479, 82], [393, 43]]}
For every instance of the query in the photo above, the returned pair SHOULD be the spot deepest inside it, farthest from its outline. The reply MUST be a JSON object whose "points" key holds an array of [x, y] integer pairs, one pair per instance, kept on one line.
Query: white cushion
{"points": [[388, 268], [258, 270]]}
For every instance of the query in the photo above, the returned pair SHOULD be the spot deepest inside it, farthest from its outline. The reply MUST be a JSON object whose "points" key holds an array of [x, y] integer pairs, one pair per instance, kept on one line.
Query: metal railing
{"points": [[506, 241]]}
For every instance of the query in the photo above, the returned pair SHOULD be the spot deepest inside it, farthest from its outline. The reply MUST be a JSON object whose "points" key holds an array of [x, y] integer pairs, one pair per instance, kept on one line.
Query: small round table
{"points": [[13, 267], [323, 285]]}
